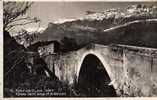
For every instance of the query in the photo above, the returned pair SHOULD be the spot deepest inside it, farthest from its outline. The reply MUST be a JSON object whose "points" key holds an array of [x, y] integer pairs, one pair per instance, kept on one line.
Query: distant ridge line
{"points": [[129, 23]]}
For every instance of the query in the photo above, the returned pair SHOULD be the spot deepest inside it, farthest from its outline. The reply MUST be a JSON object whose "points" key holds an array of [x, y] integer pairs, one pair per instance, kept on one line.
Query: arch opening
{"points": [[93, 78]]}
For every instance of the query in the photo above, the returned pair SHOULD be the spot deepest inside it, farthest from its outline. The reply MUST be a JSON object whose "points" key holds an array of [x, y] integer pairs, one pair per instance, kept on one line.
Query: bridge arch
{"points": [[100, 57], [93, 78]]}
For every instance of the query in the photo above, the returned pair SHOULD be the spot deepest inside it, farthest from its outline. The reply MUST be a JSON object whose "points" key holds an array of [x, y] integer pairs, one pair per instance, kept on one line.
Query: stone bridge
{"points": [[130, 70]]}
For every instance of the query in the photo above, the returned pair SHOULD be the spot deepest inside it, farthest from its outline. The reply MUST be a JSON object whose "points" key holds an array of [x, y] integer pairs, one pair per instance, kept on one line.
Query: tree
{"points": [[14, 15]]}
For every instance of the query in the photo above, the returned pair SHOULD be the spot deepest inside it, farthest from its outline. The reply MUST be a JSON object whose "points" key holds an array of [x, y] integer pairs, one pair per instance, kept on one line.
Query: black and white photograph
{"points": [[78, 49]]}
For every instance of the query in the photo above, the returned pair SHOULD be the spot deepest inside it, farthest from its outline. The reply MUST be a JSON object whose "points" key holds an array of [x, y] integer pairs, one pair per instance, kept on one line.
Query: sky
{"points": [[57, 11]]}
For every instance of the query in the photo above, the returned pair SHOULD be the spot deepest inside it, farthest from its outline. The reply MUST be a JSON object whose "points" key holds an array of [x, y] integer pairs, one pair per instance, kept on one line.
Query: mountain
{"points": [[135, 25], [136, 33]]}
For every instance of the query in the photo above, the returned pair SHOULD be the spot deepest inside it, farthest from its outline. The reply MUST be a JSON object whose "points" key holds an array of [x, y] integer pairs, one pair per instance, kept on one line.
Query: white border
{"points": [[87, 0], [1, 49]]}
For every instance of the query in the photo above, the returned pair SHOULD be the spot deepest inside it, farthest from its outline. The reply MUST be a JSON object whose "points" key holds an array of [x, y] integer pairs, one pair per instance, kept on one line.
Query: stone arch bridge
{"points": [[132, 70]]}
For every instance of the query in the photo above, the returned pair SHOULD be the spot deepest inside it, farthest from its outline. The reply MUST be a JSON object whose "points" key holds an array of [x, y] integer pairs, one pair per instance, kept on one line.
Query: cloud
{"points": [[59, 21]]}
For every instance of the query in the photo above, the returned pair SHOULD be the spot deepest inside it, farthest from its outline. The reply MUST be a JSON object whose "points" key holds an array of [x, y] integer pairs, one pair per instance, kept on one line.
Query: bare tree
{"points": [[14, 14]]}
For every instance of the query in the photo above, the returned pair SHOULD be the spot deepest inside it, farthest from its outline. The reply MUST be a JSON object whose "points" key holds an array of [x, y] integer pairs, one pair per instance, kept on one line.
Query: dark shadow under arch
{"points": [[93, 79]]}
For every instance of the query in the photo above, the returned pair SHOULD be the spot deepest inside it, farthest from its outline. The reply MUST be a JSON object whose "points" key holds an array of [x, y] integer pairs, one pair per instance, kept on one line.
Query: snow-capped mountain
{"points": [[134, 10]]}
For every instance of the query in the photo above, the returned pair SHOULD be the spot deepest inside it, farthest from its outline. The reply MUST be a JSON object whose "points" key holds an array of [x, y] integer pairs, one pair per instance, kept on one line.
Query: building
{"points": [[47, 49]]}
